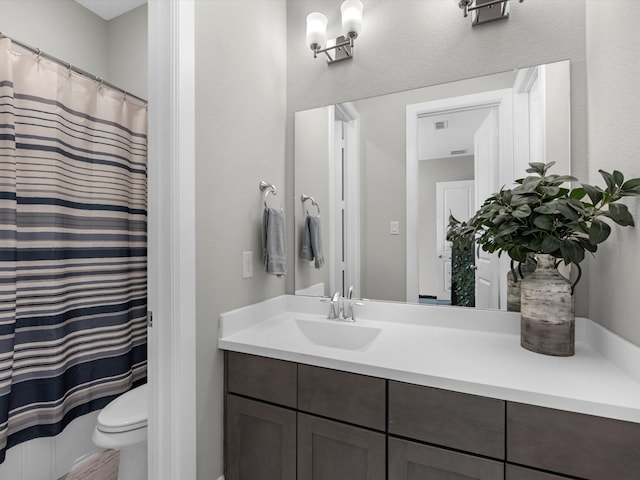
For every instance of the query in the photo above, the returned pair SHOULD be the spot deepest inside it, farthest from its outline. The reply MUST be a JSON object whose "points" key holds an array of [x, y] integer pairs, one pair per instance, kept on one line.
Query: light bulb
{"points": [[316, 30], [351, 18]]}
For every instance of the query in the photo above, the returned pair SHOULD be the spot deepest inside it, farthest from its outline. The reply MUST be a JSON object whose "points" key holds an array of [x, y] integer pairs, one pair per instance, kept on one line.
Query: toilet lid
{"points": [[127, 412]]}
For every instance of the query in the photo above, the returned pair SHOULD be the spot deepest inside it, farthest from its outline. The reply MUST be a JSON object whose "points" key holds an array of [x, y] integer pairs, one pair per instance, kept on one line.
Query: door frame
{"points": [[503, 100], [344, 130], [487, 265], [171, 250]]}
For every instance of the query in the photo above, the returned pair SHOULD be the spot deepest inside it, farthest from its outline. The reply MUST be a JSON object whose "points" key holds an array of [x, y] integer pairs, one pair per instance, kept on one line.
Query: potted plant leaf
{"points": [[542, 217]]}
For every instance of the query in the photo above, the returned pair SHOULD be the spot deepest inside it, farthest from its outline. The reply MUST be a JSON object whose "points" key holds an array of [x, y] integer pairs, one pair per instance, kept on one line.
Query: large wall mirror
{"points": [[384, 173]]}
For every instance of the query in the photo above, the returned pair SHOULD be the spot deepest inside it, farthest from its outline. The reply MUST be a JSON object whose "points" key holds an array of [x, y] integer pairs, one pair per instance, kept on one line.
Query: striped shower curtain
{"points": [[72, 246]]}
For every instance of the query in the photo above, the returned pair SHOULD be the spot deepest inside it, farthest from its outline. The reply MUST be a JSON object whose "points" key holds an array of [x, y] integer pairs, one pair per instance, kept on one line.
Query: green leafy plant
{"points": [[540, 215], [463, 276]]}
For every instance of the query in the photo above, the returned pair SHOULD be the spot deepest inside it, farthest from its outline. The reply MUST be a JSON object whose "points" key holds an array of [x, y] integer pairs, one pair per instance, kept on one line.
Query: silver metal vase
{"points": [[514, 281], [547, 318]]}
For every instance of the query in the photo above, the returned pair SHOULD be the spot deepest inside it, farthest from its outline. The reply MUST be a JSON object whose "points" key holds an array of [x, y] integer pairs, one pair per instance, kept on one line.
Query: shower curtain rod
{"points": [[68, 65]]}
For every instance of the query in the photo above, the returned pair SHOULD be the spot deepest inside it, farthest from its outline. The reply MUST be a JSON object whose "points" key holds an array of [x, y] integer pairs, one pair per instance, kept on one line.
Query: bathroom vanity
{"points": [[416, 392]]}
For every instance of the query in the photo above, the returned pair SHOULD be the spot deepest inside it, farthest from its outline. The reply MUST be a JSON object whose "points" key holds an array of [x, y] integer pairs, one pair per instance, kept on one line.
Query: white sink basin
{"points": [[332, 333]]}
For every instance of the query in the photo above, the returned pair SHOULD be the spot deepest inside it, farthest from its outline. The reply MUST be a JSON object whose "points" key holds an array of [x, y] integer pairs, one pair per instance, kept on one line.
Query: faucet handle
{"points": [[335, 300], [350, 313]]}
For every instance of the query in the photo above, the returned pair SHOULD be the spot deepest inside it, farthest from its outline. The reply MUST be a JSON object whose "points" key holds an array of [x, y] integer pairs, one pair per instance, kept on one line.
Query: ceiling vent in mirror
{"points": [[483, 11], [441, 125]]}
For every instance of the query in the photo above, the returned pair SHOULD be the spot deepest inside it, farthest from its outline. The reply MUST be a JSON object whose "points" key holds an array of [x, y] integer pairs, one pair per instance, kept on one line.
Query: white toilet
{"points": [[122, 425]]}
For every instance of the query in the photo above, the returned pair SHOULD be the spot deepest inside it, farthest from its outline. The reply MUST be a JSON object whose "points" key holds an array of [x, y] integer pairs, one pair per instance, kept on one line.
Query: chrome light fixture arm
{"points": [[486, 6], [343, 49]]}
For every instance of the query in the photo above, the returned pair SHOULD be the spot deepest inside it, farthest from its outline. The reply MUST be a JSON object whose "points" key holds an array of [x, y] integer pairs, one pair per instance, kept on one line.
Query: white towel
{"points": [[274, 253], [312, 241]]}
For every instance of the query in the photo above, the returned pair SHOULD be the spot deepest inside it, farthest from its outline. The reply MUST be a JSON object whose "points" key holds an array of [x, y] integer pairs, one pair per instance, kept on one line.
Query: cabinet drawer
{"points": [[519, 473], [344, 396], [414, 461], [572, 443], [263, 378], [457, 420], [330, 450]]}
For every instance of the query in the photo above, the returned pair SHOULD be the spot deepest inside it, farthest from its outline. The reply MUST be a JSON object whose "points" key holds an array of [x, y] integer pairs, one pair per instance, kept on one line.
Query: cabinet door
{"points": [[330, 450], [260, 441], [415, 461], [573, 444], [519, 473]]}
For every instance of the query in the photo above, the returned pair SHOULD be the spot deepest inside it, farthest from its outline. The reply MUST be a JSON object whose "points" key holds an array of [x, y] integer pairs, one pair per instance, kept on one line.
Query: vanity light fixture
{"points": [[483, 11], [340, 48]]}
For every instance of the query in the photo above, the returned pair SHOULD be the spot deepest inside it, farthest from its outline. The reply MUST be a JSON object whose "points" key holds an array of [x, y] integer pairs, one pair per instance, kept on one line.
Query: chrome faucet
{"points": [[340, 310]]}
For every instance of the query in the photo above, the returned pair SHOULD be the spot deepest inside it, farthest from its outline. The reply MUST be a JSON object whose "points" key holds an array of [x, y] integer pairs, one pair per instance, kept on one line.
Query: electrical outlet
{"points": [[394, 228], [247, 264]]}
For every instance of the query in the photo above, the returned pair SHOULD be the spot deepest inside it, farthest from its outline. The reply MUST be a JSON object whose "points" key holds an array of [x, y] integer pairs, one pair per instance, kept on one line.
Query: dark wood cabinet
{"points": [[416, 461], [329, 450], [260, 441], [344, 396], [464, 422], [513, 472], [288, 421], [594, 448]]}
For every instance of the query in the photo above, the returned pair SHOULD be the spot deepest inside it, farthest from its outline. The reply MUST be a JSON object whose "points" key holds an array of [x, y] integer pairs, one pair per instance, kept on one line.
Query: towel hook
{"points": [[267, 188], [304, 198]]}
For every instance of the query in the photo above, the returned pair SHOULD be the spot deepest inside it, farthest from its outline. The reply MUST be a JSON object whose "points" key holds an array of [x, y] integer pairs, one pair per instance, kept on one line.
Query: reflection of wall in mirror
{"points": [[383, 174], [558, 116], [311, 178], [431, 172]]}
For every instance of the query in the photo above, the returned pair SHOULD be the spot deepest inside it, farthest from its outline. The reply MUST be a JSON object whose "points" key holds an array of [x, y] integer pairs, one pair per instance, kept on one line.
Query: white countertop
{"points": [[464, 350]]}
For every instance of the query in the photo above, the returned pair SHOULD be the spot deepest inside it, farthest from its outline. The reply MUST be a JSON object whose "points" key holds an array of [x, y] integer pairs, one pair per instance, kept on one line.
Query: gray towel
{"points": [[274, 253], [312, 241]]}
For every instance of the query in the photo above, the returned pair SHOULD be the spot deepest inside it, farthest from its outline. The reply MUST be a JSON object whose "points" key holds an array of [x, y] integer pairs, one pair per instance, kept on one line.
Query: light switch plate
{"points": [[394, 228]]}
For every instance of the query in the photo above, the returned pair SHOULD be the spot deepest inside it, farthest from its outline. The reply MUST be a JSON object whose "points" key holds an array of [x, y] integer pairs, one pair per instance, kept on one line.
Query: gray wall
{"points": [[407, 44], [613, 50], [312, 152], [127, 51], [61, 28], [557, 117], [240, 139]]}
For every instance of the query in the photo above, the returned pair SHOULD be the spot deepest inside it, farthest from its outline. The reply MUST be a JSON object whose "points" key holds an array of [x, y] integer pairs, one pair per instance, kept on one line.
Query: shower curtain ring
{"points": [[38, 54], [69, 68]]}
